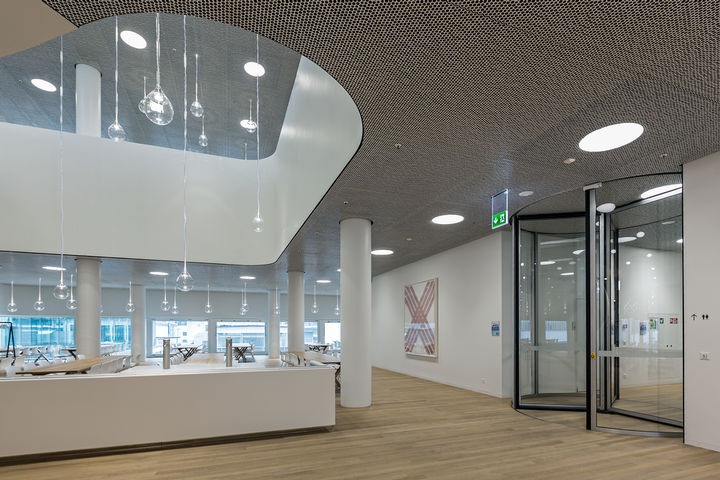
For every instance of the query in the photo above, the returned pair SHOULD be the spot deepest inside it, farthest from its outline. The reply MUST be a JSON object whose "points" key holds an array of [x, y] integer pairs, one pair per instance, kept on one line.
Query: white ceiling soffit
{"points": [[126, 200]]}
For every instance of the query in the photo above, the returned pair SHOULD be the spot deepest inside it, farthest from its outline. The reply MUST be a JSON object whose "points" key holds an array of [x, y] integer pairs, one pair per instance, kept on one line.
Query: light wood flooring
{"points": [[415, 429]]}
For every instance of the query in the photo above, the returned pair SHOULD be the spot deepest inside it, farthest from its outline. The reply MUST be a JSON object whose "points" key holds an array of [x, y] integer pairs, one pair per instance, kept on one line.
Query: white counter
{"points": [[77, 412]]}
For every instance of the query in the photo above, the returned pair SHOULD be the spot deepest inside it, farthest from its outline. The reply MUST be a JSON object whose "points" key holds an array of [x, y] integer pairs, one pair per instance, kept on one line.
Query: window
{"points": [[40, 331], [116, 331], [180, 332], [310, 335], [241, 332], [332, 334]]}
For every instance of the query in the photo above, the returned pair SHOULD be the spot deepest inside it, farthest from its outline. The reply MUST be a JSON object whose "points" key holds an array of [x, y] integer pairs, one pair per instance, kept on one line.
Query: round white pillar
{"points": [[88, 119], [355, 295], [212, 336], [137, 325], [273, 348], [87, 320], [296, 312]]}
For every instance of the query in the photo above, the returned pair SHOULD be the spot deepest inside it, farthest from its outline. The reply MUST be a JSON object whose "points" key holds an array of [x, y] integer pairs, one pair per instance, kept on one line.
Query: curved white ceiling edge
{"points": [[124, 199]]}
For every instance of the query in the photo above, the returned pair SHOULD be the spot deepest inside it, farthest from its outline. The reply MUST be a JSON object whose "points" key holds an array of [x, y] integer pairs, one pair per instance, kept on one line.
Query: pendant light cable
{"points": [[62, 167], [257, 121], [157, 47], [116, 69]]}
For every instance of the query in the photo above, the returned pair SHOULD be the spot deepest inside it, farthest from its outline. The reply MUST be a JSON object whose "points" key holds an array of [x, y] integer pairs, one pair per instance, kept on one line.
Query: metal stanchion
{"points": [[228, 351], [166, 353]]}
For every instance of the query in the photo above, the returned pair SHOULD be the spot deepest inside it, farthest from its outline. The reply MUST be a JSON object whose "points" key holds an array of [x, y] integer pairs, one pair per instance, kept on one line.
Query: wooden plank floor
{"points": [[415, 430]]}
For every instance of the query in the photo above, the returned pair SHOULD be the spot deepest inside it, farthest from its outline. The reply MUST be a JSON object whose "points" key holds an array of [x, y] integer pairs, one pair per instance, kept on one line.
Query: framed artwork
{"points": [[421, 318]]}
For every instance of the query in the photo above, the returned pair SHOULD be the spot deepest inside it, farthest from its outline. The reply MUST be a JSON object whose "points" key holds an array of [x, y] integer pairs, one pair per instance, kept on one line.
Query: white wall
{"points": [[701, 198], [125, 200], [474, 288]]}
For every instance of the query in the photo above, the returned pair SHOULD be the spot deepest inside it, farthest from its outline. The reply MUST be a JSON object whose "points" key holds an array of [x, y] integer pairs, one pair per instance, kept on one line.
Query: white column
{"points": [[273, 329], [87, 321], [87, 100], [137, 328], [355, 295], [321, 332], [212, 336], [296, 312]]}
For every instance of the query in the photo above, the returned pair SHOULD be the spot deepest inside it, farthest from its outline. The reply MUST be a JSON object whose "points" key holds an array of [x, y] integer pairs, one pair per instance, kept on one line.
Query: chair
{"points": [[251, 351], [315, 363], [293, 360]]}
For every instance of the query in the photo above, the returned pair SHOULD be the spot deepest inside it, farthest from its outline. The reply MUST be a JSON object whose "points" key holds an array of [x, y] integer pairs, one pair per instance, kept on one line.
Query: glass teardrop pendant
{"points": [[116, 132], [258, 223], [158, 108], [315, 308], [196, 109], [71, 304], [203, 139], [61, 290], [39, 305], [184, 282], [165, 306], [208, 308], [12, 306]]}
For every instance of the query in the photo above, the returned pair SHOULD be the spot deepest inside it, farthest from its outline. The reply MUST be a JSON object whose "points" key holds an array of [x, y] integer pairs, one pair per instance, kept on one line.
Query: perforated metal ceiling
{"points": [[482, 96]]}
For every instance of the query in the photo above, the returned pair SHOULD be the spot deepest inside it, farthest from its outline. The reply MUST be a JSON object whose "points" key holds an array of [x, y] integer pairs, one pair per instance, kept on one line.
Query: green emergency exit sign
{"points": [[500, 219]]}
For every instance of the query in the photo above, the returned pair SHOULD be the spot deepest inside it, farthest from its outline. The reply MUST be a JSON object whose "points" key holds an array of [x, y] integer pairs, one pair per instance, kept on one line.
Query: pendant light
{"points": [[115, 130], [244, 308], [71, 304], [165, 305], [337, 303], [184, 281], [208, 305], [175, 310], [196, 109], [130, 307], [247, 123], [276, 310], [315, 308], [142, 104], [203, 139], [12, 306], [158, 108], [39, 305], [61, 290], [257, 222]]}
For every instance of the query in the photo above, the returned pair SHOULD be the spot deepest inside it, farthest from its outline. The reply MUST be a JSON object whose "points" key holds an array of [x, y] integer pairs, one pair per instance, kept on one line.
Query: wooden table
{"points": [[187, 351], [77, 366], [72, 351], [318, 347], [327, 360], [239, 351]]}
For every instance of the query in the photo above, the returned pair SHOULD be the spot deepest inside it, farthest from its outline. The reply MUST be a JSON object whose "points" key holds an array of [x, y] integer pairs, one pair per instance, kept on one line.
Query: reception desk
{"points": [[76, 413]]}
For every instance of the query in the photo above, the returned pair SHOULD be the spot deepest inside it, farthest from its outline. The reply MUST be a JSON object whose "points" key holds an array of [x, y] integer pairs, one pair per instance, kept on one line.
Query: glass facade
{"points": [[242, 332], [40, 331], [116, 331], [180, 332]]}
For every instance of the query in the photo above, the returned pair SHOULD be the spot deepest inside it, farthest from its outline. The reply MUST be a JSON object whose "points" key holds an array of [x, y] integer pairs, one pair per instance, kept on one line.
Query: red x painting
{"points": [[421, 319]]}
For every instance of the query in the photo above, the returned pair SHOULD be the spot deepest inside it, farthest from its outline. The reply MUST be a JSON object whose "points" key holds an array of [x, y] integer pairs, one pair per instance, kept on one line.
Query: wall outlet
{"points": [[704, 355]]}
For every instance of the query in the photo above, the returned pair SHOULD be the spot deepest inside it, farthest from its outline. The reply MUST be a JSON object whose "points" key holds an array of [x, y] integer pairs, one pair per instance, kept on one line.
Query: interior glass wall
{"points": [[551, 309], [180, 332], [115, 331], [242, 332]]}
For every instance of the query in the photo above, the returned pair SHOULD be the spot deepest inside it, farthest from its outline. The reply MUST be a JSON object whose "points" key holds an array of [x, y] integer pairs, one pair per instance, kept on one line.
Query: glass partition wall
{"points": [[599, 317]]}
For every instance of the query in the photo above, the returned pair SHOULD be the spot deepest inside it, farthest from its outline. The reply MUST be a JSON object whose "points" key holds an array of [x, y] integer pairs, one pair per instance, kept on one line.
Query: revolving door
{"points": [[598, 307]]}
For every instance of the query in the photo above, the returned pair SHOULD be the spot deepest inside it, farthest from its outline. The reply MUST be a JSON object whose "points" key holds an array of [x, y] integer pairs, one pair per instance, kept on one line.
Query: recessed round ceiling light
{"points": [[567, 274], [159, 274], [526, 193], [568, 161], [648, 255], [43, 85], [659, 190], [54, 269], [611, 137], [248, 124], [448, 219], [613, 251], [322, 281], [668, 222], [679, 240], [626, 239], [578, 252], [640, 234], [339, 269], [627, 263], [254, 69], [547, 262], [247, 277], [382, 251], [606, 208], [133, 39]]}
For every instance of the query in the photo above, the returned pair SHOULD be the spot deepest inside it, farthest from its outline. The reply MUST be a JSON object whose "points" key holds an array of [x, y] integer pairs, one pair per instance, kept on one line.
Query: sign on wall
{"points": [[500, 214], [421, 318]]}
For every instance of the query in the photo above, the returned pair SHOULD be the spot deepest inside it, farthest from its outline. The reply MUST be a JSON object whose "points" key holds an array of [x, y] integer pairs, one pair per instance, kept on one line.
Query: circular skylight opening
{"points": [[660, 190], [247, 277], [322, 281], [43, 85], [606, 208], [578, 252], [133, 39], [611, 137], [448, 219], [254, 69], [640, 234], [382, 251]]}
